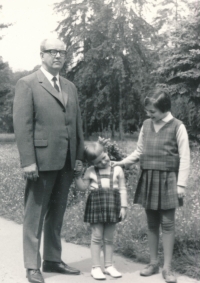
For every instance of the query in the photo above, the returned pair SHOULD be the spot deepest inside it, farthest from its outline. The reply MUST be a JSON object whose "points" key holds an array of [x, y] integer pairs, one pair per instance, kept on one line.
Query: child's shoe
{"points": [[112, 271], [150, 269], [97, 273], [169, 276]]}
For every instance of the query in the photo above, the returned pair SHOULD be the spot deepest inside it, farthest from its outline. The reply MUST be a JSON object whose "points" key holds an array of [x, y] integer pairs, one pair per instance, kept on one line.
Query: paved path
{"points": [[12, 271]]}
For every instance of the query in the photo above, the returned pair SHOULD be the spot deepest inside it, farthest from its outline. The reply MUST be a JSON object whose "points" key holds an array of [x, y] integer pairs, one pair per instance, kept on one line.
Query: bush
{"points": [[7, 138]]}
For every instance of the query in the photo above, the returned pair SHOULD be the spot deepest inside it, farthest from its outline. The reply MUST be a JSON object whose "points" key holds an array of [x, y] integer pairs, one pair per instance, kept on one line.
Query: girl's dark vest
{"points": [[160, 150]]}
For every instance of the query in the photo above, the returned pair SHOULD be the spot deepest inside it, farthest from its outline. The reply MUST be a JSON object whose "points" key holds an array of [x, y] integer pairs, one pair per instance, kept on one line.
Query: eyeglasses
{"points": [[54, 52]]}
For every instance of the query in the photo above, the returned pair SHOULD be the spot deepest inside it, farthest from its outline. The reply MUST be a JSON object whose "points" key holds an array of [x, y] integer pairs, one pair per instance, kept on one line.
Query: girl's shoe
{"points": [[169, 276], [112, 271], [97, 273], [150, 269]]}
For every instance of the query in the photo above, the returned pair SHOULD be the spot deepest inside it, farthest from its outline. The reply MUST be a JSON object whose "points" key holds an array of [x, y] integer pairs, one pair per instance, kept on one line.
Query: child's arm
{"points": [[83, 183], [135, 155], [123, 193]]}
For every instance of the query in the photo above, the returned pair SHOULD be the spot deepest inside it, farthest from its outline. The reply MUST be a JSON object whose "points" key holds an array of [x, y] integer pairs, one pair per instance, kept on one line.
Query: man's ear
{"points": [[41, 55]]}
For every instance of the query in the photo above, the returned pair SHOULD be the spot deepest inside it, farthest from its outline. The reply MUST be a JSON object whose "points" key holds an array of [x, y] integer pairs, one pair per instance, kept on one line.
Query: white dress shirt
{"points": [[50, 77], [183, 149]]}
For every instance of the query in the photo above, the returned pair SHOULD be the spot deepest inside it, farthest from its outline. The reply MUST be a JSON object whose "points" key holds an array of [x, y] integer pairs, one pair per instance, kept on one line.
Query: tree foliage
{"points": [[115, 58], [179, 69], [109, 59], [3, 25], [6, 92]]}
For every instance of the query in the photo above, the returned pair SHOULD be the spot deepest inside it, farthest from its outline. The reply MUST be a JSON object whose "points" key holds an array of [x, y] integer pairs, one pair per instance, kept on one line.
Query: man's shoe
{"points": [[97, 273], [150, 269], [169, 276], [112, 271], [34, 276], [59, 267]]}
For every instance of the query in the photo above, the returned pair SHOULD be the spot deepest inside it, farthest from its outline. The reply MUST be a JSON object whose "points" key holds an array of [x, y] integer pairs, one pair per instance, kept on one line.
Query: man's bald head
{"points": [[49, 42]]}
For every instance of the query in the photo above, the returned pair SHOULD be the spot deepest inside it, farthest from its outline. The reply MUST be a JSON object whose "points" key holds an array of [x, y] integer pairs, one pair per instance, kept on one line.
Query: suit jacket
{"points": [[44, 126]]}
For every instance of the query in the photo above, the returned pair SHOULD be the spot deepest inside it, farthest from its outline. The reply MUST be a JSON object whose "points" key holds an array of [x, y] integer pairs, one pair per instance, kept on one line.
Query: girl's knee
{"points": [[107, 241], [168, 221], [153, 220], [97, 234], [108, 236], [153, 226], [96, 239], [168, 226]]}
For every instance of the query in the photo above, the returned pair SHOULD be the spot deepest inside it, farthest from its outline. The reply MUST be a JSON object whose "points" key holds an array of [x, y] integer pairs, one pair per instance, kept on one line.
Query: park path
{"points": [[12, 271]]}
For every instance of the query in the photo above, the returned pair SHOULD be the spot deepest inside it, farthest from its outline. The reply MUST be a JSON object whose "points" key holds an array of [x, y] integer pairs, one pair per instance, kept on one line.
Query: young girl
{"points": [[106, 205], [163, 151]]}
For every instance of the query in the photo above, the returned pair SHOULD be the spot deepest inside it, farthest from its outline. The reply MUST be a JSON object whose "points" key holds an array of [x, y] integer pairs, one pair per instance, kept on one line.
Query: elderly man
{"points": [[49, 136]]}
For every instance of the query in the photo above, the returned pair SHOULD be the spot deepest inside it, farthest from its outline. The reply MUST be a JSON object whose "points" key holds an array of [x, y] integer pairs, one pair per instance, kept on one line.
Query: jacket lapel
{"points": [[47, 85], [64, 89]]}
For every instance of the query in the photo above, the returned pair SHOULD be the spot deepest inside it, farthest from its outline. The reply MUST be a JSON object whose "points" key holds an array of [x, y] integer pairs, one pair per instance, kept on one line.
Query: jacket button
{"points": [[64, 110]]}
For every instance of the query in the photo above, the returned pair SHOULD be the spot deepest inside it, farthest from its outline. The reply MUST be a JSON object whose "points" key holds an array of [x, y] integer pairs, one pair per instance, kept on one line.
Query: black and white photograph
{"points": [[99, 141]]}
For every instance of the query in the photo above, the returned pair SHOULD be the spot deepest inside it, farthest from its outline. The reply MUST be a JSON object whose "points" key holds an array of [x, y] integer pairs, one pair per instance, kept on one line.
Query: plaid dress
{"points": [[157, 185], [103, 205]]}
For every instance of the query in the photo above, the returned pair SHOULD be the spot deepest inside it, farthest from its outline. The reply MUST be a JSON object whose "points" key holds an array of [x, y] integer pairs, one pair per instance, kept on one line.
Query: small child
{"points": [[106, 205]]}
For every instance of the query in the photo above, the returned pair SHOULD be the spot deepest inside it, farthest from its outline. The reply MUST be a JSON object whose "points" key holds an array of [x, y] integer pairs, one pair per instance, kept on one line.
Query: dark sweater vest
{"points": [[160, 150]]}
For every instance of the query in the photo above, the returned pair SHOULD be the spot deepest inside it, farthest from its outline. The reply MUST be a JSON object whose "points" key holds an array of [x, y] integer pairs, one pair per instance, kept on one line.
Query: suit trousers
{"points": [[45, 204]]}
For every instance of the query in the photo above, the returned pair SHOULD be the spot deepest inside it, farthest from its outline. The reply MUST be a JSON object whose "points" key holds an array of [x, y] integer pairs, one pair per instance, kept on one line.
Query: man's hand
{"points": [[31, 172], [78, 166], [123, 213], [181, 192]]}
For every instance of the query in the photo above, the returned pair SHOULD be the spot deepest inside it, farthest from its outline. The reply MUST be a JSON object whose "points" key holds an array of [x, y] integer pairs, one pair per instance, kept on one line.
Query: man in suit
{"points": [[49, 137]]}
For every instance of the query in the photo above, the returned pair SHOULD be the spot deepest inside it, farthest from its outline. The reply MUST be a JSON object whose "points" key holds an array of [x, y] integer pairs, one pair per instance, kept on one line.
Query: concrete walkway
{"points": [[12, 271]]}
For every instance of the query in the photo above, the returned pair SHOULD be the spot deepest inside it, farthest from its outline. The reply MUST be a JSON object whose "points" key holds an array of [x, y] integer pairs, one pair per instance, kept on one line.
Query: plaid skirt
{"points": [[157, 190], [103, 206]]}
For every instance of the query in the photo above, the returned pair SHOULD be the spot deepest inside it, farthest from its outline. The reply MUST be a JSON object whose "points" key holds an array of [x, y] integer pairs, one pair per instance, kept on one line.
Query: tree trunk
{"points": [[85, 122], [121, 132], [112, 128]]}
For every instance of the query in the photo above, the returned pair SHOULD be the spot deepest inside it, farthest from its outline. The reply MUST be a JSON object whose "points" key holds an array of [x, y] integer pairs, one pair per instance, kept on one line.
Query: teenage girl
{"points": [[163, 151], [106, 205]]}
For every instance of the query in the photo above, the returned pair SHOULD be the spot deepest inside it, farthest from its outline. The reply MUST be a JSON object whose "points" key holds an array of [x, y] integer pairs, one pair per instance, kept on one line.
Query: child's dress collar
{"points": [[168, 118]]}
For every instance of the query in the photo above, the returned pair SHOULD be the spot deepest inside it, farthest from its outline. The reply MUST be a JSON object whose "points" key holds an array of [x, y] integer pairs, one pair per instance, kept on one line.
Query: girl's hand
{"points": [[181, 192], [117, 163], [123, 213], [103, 141]]}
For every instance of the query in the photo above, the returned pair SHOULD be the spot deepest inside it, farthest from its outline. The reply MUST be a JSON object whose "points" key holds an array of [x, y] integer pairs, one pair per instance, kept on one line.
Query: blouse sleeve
{"points": [[122, 188], [184, 154]]}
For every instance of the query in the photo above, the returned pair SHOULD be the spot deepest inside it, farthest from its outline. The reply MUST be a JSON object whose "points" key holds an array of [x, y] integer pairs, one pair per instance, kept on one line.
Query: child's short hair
{"points": [[160, 100], [92, 151]]}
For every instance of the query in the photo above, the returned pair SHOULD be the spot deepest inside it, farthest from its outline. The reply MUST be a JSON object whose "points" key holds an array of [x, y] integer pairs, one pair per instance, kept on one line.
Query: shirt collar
{"points": [[167, 118], [48, 75]]}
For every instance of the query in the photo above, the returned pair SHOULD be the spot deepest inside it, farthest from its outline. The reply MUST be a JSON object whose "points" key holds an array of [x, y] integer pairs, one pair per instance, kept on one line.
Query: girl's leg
{"points": [[108, 238], [96, 239], [168, 230], [153, 221]]}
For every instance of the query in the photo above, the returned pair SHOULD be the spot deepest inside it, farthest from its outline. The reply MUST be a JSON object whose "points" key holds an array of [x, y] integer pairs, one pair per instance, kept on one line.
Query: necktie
{"points": [[60, 95], [55, 84]]}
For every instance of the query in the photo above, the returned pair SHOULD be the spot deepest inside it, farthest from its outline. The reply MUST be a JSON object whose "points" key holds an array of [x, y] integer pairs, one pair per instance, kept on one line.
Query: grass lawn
{"points": [[131, 235]]}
